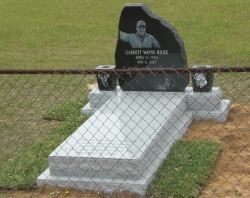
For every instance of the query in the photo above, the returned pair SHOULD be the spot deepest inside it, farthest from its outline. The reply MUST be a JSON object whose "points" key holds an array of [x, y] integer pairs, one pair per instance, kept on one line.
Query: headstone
{"points": [[146, 40]]}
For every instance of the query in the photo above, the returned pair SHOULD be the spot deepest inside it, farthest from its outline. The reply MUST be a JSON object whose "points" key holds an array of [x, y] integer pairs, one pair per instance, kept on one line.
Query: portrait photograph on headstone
{"points": [[140, 39]]}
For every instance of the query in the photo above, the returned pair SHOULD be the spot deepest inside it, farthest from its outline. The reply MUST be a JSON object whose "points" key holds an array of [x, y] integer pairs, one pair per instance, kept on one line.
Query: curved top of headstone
{"points": [[146, 40], [156, 26]]}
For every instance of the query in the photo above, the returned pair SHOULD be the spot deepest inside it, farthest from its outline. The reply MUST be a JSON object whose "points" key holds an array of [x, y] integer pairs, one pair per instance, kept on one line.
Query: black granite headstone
{"points": [[145, 40]]}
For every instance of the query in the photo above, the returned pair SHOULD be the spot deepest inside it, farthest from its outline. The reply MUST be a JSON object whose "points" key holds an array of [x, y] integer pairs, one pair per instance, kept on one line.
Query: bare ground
{"points": [[231, 175]]}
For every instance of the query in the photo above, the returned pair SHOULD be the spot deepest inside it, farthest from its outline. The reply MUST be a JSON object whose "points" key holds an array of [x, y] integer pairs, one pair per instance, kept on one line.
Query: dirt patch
{"points": [[92, 86], [231, 175], [56, 192]]}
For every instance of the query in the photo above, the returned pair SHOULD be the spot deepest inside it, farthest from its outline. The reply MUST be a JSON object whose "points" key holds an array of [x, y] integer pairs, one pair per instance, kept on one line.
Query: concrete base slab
{"points": [[110, 185], [218, 115], [96, 99], [87, 110], [121, 146], [207, 101], [205, 105]]}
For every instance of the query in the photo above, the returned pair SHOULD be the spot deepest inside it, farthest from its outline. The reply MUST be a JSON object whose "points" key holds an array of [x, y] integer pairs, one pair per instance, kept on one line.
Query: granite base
{"points": [[121, 146]]}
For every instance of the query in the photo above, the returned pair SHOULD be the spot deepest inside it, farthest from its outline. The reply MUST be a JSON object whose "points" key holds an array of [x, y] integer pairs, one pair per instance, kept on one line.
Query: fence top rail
{"points": [[125, 71]]}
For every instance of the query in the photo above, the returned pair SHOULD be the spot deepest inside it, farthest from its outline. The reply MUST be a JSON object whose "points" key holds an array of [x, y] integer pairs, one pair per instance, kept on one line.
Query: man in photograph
{"points": [[140, 39]]}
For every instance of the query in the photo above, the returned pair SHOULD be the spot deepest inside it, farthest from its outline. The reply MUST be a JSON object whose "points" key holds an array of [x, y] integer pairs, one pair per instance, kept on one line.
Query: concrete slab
{"points": [[110, 185], [96, 99], [121, 146], [207, 101], [206, 105], [218, 115]]}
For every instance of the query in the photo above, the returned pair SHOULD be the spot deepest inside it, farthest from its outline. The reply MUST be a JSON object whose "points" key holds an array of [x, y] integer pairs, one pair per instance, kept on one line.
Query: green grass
{"points": [[83, 34], [23, 100], [22, 171], [186, 170]]}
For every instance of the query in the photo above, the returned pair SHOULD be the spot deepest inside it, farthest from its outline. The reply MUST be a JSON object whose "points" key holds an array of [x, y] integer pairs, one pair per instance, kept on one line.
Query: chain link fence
{"points": [[61, 136]]}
